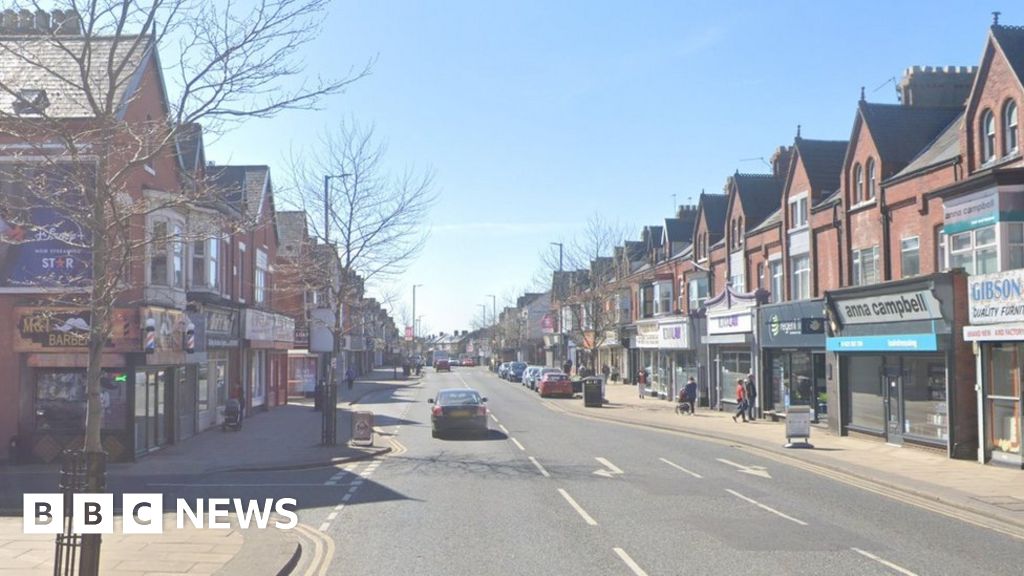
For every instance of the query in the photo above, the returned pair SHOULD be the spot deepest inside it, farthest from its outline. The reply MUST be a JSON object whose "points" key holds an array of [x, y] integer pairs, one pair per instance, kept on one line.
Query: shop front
{"points": [[164, 395], [899, 375], [792, 340], [654, 379], [997, 331], [51, 346], [221, 367], [268, 338], [730, 343], [676, 357], [610, 353]]}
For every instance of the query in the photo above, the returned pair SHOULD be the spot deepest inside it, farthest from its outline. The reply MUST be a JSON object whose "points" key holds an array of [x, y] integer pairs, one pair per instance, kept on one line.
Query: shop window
{"points": [[800, 272], [1010, 128], [60, 402], [1015, 245], [865, 266], [178, 258], [864, 375], [733, 366], [910, 263], [975, 251], [204, 398], [776, 286], [988, 137], [924, 398]]}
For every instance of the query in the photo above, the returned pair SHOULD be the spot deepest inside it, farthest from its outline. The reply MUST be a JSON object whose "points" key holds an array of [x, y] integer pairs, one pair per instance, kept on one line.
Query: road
{"points": [[552, 493]]}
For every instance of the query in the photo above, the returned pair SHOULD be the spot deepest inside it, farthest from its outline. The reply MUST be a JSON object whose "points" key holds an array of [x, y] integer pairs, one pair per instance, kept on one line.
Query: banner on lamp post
{"points": [[408, 334]]}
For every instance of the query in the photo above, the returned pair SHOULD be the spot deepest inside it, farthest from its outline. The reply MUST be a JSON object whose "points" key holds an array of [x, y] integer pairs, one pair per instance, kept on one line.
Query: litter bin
{"points": [[592, 392]]}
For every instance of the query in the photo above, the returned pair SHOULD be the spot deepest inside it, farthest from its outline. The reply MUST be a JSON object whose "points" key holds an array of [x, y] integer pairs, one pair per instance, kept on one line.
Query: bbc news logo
{"points": [[144, 513]]}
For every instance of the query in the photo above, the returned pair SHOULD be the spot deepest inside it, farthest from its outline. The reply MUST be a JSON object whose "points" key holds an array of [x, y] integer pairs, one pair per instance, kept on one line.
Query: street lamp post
{"points": [[414, 287], [562, 348]]}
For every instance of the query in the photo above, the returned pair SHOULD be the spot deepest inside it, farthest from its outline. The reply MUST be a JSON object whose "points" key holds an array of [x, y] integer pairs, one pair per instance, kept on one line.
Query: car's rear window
{"points": [[518, 365], [458, 397]]}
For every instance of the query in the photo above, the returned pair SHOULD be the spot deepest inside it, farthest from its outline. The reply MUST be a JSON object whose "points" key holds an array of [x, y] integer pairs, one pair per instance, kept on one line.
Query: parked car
{"points": [[528, 375], [503, 369], [468, 362], [540, 374], [554, 383], [442, 366], [458, 409], [515, 371]]}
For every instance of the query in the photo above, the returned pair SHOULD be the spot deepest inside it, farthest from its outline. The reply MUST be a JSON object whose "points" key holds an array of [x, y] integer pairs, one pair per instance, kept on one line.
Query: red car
{"points": [[554, 383], [442, 366], [468, 362]]}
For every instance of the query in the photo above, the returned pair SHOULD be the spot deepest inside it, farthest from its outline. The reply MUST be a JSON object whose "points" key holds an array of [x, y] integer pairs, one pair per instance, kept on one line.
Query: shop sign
{"points": [[981, 209], [903, 307], [284, 328], [647, 335], [997, 297], [731, 323], [168, 327], [547, 324], [795, 327], [674, 335], [994, 332], [611, 338], [221, 322], [60, 329], [894, 343], [268, 327]]}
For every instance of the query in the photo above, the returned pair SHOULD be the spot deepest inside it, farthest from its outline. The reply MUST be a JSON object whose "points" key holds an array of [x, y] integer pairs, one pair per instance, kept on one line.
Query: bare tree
{"points": [[372, 220], [80, 130]]}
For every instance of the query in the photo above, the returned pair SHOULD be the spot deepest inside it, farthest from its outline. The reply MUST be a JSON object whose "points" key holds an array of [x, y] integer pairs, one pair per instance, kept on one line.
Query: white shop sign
{"points": [[647, 335], [903, 307], [998, 297], [736, 323], [674, 335]]}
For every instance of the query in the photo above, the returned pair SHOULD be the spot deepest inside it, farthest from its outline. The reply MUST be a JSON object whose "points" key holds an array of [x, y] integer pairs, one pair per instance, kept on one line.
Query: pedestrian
{"points": [[350, 377], [567, 366], [691, 394], [741, 401], [641, 382], [606, 371], [751, 397]]}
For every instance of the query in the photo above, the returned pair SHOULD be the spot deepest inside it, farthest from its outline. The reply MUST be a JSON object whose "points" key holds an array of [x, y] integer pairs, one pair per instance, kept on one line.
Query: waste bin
{"points": [[592, 392]]}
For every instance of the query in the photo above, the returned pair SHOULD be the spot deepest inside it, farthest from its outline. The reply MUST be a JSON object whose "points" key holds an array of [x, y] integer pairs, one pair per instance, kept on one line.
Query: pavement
{"points": [[983, 494], [282, 438]]}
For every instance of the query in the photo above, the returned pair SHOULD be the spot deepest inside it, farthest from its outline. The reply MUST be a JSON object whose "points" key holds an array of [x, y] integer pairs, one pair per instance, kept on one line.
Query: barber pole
{"points": [[150, 335], [190, 338]]}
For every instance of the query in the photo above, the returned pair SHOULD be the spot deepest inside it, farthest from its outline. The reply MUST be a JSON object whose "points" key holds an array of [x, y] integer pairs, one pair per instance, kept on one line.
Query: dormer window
{"points": [[858, 184], [31, 102], [872, 182], [988, 137], [1010, 128]]}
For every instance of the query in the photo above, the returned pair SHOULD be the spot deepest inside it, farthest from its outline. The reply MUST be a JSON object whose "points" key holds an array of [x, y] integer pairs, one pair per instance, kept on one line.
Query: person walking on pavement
{"points": [[641, 382], [606, 371], [567, 367], [691, 394], [751, 397], [741, 400], [350, 377]]}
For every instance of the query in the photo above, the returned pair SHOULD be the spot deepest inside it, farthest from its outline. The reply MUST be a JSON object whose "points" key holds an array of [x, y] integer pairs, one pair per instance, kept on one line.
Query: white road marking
{"points": [[516, 442], [884, 562], [332, 516], [539, 467], [752, 470], [353, 489], [346, 497], [325, 526], [503, 429], [629, 562], [615, 469], [330, 483], [579, 509], [763, 507], [680, 468], [340, 506], [495, 418]]}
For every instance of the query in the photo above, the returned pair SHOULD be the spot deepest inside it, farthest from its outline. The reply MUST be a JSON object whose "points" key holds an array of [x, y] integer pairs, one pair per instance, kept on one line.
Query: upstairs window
{"points": [[178, 258], [1010, 128], [260, 288], [158, 254], [872, 186], [199, 264], [776, 287], [865, 266], [698, 293], [858, 184], [798, 213], [800, 271], [988, 137], [910, 258], [975, 251]]}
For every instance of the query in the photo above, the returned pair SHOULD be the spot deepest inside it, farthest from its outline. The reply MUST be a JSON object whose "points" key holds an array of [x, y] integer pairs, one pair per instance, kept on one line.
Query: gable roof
{"points": [[944, 148], [823, 162], [48, 62], [714, 207], [678, 230], [1011, 41], [760, 194], [244, 187], [902, 132]]}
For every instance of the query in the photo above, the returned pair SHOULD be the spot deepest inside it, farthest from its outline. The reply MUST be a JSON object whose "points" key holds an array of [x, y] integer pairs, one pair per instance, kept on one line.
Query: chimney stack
{"points": [[936, 85], [42, 24]]}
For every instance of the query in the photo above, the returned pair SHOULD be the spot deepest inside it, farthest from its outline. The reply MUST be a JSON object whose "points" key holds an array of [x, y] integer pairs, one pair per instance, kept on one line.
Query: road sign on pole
{"points": [[362, 428]]}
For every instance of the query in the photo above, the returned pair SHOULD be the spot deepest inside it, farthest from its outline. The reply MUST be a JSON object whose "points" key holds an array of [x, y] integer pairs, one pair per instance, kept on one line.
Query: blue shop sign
{"points": [[892, 343]]}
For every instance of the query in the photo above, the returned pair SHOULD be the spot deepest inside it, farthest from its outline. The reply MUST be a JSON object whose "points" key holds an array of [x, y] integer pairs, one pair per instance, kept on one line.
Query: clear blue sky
{"points": [[536, 114]]}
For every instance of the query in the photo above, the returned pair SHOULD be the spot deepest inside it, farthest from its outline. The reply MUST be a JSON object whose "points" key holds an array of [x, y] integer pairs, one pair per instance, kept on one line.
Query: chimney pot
{"points": [[9, 21]]}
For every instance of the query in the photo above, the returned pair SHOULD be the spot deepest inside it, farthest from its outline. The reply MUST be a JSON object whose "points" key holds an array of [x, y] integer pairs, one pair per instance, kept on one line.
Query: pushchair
{"points": [[683, 405], [232, 416]]}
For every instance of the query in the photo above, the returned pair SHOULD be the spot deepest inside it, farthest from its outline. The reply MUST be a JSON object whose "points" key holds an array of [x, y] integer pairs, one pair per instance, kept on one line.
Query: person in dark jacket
{"points": [[691, 394], [751, 397]]}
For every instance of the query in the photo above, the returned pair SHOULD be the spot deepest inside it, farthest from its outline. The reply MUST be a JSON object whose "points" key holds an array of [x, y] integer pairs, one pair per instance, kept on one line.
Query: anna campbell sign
{"points": [[997, 298], [903, 307]]}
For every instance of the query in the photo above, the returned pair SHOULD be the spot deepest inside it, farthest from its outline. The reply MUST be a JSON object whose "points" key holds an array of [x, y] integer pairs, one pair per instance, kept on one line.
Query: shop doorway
{"points": [[893, 404], [153, 396]]}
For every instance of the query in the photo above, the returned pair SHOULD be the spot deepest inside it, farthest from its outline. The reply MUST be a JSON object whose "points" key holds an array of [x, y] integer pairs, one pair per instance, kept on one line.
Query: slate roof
{"points": [[45, 62], [772, 220], [714, 207], [823, 161], [652, 235], [1011, 40], [902, 132], [760, 194], [945, 147], [241, 186]]}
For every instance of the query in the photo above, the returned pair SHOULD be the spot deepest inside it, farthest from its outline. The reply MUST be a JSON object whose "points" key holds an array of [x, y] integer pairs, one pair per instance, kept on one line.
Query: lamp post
{"points": [[494, 329], [559, 244], [414, 287]]}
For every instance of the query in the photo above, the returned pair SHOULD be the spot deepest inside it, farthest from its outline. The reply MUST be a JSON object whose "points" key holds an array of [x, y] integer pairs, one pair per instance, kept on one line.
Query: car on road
{"points": [[502, 369], [554, 384], [515, 371], [468, 362], [458, 410], [528, 374], [442, 366]]}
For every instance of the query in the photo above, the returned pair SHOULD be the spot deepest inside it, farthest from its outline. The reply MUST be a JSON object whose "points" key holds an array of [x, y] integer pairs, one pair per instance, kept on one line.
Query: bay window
{"points": [[158, 254]]}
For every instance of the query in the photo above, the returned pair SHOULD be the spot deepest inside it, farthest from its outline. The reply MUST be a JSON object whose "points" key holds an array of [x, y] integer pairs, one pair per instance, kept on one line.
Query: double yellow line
{"points": [[323, 550]]}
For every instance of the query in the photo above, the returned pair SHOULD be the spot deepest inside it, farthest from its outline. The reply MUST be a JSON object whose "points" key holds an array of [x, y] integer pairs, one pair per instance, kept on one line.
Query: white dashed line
{"points": [[539, 467], [325, 526], [680, 468], [884, 562], [763, 507], [332, 516], [495, 418], [629, 562], [346, 497], [503, 429], [516, 442], [352, 489], [579, 509]]}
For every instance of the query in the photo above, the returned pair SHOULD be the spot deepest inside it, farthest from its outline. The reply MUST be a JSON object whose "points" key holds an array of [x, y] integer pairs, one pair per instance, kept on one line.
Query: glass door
{"points": [[1002, 403], [820, 404], [893, 402]]}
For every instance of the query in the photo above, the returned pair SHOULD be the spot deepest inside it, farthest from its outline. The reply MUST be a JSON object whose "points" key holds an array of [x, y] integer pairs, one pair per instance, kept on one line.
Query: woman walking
{"points": [[741, 401]]}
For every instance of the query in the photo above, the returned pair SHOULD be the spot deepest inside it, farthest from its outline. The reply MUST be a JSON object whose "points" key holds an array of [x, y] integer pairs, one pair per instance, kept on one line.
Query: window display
{"points": [[61, 400]]}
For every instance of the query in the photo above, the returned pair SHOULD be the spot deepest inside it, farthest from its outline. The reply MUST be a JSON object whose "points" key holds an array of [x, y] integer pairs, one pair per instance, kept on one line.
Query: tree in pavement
{"points": [[371, 226], [76, 146]]}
